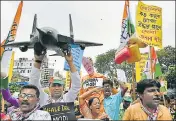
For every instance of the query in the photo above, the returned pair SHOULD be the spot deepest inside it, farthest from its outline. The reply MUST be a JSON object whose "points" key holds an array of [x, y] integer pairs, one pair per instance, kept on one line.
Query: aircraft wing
{"points": [[19, 44], [58, 53], [86, 43]]}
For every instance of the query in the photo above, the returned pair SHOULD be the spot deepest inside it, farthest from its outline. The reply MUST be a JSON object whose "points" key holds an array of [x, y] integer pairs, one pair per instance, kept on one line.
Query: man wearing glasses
{"points": [[148, 108], [28, 105], [56, 86]]}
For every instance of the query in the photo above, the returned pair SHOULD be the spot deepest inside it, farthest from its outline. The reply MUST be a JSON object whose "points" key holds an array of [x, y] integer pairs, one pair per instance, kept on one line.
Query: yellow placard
{"points": [[67, 80], [149, 24], [140, 66]]}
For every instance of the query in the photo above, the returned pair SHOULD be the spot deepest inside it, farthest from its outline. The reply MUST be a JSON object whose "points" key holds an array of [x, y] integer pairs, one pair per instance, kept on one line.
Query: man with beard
{"points": [[28, 105], [56, 86], [112, 102], [148, 107]]}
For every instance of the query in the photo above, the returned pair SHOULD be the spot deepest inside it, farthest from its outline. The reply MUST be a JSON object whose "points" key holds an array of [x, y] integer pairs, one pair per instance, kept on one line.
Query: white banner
{"points": [[121, 75], [95, 82]]}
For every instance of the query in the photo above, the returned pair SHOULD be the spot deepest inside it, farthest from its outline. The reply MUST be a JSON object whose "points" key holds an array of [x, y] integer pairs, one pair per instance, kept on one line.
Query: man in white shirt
{"points": [[56, 87]]}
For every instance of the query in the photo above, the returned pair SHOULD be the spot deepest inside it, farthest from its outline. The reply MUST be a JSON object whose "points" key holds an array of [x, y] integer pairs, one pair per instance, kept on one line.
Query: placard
{"points": [[94, 82], [77, 54], [149, 24], [61, 111]]}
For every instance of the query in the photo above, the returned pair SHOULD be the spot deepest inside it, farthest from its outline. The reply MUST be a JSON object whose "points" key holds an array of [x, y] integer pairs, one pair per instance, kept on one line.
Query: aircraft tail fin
{"points": [[34, 27], [71, 26]]}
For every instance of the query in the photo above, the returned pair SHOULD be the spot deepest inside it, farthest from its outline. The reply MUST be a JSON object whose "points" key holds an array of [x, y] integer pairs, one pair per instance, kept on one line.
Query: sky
{"points": [[95, 21]]}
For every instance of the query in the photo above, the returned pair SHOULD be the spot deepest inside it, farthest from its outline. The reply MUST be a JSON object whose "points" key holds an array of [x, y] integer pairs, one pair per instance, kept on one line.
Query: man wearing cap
{"points": [[126, 103], [56, 86]]}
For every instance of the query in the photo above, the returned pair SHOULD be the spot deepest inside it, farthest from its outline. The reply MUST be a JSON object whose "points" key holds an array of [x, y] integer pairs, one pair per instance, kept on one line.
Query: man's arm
{"points": [[71, 95], [35, 79], [6, 91], [123, 88], [8, 97], [87, 94]]}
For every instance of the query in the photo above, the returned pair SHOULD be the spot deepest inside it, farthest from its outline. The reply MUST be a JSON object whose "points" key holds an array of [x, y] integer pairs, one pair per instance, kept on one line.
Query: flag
{"points": [[156, 69], [6, 52], [127, 29]]}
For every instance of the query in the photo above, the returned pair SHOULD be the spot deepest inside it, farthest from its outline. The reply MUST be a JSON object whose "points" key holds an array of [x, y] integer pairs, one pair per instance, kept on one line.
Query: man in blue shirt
{"points": [[112, 102]]}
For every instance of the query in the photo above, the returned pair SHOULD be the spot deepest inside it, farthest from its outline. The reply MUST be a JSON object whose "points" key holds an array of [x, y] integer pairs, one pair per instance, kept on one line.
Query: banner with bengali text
{"points": [[149, 24]]}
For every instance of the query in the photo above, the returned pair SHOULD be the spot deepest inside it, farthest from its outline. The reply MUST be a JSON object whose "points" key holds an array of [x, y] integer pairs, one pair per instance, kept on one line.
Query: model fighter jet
{"points": [[48, 38]]}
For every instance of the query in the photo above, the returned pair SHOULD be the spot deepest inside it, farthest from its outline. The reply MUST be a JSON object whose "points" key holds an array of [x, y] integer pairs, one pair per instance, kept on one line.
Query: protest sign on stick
{"points": [[149, 24]]}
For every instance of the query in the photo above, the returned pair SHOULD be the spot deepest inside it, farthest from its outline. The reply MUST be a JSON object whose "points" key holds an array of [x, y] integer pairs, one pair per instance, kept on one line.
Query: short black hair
{"points": [[107, 81], [30, 86], [91, 100], [143, 84]]}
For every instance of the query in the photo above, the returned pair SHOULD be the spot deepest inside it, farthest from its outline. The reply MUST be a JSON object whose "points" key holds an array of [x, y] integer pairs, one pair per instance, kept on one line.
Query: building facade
{"points": [[24, 66]]}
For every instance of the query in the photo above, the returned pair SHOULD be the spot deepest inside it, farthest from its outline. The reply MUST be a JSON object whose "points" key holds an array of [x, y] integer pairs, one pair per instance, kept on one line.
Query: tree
{"points": [[170, 76], [166, 58], [105, 64]]}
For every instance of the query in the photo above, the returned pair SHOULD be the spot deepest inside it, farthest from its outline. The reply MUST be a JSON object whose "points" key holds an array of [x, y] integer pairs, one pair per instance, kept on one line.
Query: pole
{"points": [[133, 83], [2, 104], [151, 61]]}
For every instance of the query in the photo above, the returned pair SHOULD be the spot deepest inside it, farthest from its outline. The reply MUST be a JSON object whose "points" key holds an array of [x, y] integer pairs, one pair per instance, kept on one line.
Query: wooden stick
{"points": [[133, 82], [150, 53], [2, 105]]}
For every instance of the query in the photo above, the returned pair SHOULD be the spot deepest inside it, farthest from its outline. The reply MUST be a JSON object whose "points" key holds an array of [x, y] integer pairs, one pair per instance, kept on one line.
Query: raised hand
{"points": [[68, 56], [4, 80]]}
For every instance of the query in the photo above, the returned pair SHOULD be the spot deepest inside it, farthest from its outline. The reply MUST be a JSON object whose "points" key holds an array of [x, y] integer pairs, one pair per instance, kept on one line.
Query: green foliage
{"points": [[167, 60], [170, 75], [14, 87], [166, 57], [105, 64]]}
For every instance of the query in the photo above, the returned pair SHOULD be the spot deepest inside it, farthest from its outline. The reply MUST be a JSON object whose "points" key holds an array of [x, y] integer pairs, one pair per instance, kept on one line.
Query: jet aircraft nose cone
{"points": [[49, 32]]}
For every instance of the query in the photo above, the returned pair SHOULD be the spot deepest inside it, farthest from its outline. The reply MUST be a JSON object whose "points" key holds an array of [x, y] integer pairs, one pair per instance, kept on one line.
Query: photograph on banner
{"points": [[61, 111], [140, 66], [149, 24], [88, 65], [77, 54]]}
